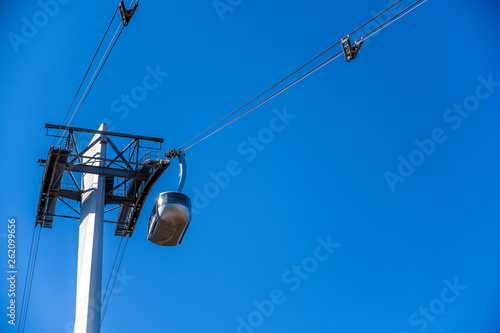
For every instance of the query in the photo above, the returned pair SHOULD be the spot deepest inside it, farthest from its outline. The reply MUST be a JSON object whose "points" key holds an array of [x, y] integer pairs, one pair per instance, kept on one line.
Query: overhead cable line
{"points": [[368, 35], [86, 73], [395, 18], [112, 277], [324, 63], [30, 270], [105, 296], [126, 15], [94, 78], [286, 77]]}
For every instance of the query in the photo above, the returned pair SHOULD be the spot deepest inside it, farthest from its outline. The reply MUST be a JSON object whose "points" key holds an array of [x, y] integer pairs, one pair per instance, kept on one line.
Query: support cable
{"points": [[112, 279], [21, 312], [105, 296], [324, 63], [379, 28], [96, 72], [395, 18], [286, 77], [35, 241], [86, 73], [94, 78]]}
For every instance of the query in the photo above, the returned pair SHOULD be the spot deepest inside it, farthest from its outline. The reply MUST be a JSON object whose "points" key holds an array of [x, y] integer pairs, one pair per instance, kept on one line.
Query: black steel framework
{"points": [[128, 179]]}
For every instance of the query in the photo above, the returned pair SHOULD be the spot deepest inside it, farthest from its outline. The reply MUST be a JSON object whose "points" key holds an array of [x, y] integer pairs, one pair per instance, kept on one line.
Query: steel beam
{"points": [[68, 194], [101, 170], [123, 135]]}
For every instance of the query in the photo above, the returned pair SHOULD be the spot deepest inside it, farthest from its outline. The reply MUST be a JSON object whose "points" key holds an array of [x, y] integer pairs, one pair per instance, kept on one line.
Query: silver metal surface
{"points": [[90, 243], [169, 219]]}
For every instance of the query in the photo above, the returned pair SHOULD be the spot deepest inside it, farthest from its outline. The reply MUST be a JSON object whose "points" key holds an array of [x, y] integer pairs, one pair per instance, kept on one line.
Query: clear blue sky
{"points": [[411, 250]]}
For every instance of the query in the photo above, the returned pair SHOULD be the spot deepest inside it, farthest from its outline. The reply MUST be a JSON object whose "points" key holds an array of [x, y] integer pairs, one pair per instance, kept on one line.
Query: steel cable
{"points": [[113, 277], [379, 28], [35, 241], [286, 77], [86, 73]]}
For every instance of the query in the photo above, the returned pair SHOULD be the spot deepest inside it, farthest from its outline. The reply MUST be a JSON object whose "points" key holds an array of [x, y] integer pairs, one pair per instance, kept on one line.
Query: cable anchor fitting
{"points": [[127, 14], [173, 153], [351, 51], [182, 165]]}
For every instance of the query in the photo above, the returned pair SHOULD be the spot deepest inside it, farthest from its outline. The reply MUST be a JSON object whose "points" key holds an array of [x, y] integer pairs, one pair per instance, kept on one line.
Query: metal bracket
{"points": [[351, 51], [134, 177], [182, 165], [182, 170], [127, 14], [172, 153]]}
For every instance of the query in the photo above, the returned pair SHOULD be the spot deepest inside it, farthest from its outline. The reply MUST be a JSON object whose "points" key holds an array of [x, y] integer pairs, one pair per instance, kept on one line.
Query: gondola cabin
{"points": [[169, 219]]}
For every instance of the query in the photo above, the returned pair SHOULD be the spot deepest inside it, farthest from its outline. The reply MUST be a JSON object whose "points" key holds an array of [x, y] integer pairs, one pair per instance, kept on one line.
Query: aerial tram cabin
{"points": [[169, 219], [171, 213]]}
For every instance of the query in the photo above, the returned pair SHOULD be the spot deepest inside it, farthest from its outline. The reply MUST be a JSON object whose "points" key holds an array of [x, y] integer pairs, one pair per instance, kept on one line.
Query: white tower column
{"points": [[89, 276]]}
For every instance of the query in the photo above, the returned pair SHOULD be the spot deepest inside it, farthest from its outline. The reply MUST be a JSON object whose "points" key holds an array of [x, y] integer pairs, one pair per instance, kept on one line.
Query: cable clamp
{"points": [[127, 14], [351, 50], [173, 153]]}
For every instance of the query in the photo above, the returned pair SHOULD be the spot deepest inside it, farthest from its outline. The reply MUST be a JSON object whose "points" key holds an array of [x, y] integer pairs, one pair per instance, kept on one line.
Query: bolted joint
{"points": [[172, 153], [351, 50]]}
